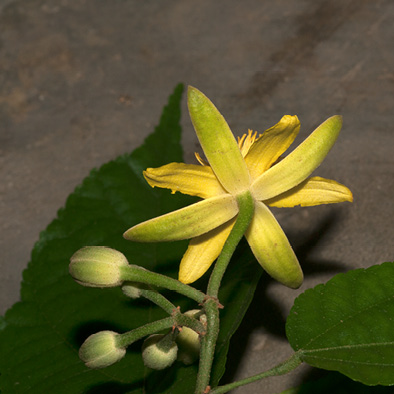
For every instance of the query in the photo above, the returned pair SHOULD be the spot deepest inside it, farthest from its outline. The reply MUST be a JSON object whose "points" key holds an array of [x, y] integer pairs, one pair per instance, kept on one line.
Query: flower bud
{"points": [[97, 266], [159, 351], [189, 341], [100, 350], [133, 289]]}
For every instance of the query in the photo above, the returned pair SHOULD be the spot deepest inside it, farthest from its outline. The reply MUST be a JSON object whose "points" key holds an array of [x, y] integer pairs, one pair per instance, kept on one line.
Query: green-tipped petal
{"points": [[299, 164], [218, 143], [313, 191], [202, 252], [188, 222], [272, 249], [189, 179], [274, 141]]}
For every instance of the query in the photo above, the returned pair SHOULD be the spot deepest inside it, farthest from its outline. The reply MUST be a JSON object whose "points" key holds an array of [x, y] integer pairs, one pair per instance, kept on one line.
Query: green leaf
{"points": [[41, 335], [347, 325]]}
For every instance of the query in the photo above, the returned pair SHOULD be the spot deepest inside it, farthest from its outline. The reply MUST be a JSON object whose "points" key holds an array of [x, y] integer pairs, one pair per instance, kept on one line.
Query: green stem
{"points": [[245, 214], [138, 274], [293, 362], [159, 300], [136, 290], [208, 343], [211, 306], [126, 339]]}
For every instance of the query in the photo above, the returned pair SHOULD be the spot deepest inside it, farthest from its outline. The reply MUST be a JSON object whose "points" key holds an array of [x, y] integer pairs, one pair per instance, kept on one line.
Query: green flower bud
{"points": [[189, 346], [100, 350], [189, 341], [159, 351], [97, 266], [133, 289]]}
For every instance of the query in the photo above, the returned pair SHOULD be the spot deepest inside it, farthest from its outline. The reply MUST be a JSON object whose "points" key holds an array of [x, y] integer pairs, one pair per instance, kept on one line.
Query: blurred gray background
{"points": [[84, 81]]}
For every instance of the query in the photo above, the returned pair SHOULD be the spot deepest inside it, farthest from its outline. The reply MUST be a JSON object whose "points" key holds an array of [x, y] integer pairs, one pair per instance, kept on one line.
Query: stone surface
{"points": [[82, 82]]}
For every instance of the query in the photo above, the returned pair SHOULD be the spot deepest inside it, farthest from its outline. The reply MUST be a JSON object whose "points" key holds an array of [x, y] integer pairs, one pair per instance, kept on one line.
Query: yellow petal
{"points": [[300, 163], [218, 143], [188, 222], [272, 249], [313, 191], [185, 178], [274, 141], [202, 252]]}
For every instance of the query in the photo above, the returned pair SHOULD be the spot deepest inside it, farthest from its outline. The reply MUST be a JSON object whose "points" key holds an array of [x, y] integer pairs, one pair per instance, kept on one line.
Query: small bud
{"points": [[159, 351], [97, 266], [100, 350], [189, 341], [133, 289]]}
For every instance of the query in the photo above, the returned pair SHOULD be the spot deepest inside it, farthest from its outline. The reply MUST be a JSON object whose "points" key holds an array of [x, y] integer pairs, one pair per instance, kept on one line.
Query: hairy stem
{"points": [[126, 339], [208, 343], [158, 299], [141, 275]]}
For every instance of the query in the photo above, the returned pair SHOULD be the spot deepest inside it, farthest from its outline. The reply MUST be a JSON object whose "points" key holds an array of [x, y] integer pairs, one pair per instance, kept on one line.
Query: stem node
{"points": [[207, 297]]}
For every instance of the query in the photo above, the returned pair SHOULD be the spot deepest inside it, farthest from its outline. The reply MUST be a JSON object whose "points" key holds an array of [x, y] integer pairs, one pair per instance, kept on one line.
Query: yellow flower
{"points": [[251, 165]]}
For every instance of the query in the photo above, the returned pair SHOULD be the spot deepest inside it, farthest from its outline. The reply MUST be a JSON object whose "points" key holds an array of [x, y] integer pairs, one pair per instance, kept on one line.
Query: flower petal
{"points": [[218, 143], [313, 191], [188, 222], [272, 249], [202, 252], [185, 178], [300, 163], [274, 141]]}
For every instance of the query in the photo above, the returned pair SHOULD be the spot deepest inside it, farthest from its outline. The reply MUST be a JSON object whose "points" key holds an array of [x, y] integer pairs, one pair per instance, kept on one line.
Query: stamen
{"points": [[200, 159], [246, 141]]}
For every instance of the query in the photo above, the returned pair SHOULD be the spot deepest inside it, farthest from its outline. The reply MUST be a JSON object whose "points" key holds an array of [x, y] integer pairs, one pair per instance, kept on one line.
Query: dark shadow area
{"points": [[156, 382], [272, 319], [113, 388], [304, 245], [79, 334], [318, 381], [160, 381]]}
